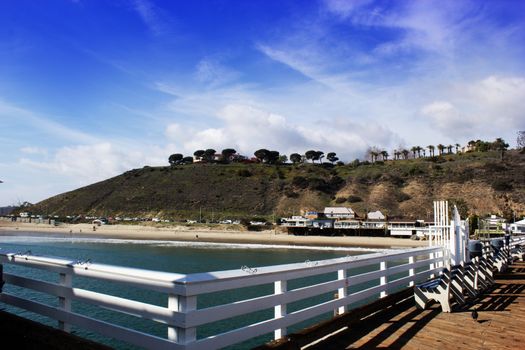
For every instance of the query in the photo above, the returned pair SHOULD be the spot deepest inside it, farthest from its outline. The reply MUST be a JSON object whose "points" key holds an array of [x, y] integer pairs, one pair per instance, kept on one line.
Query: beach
{"points": [[200, 234]]}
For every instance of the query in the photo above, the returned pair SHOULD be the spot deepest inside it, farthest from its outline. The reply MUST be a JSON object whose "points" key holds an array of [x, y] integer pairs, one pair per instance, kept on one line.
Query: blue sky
{"points": [[89, 89]]}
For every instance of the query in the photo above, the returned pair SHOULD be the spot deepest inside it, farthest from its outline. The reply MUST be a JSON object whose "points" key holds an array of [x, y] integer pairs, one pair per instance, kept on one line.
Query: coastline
{"points": [[185, 234]]}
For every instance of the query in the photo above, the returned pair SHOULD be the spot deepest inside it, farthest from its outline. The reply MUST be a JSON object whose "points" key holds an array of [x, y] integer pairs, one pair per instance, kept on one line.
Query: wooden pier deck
{"points": [[402, 326]]}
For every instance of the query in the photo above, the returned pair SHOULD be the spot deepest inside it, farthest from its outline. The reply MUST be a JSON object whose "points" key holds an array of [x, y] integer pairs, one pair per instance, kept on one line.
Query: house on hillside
{"points": [[375, 216], [339, 213]]}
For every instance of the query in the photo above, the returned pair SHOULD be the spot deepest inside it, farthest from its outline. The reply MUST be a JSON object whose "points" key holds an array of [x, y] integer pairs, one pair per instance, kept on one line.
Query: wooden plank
{"points": [[499, 324]]}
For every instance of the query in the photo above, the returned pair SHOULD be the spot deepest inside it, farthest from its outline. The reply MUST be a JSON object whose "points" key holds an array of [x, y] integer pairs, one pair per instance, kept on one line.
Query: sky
{"points": [[92, 88]]}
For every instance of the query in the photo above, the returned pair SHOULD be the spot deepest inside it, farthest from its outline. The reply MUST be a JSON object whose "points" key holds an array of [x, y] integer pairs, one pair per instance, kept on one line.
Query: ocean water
{"points": [[178, 257]]}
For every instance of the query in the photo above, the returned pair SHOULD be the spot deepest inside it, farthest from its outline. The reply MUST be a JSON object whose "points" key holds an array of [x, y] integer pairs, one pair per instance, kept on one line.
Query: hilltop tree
{"points": [[440, 148], [332, 157], [457, 145], [384, 154], [310, 155], [431, 149], [187, 160], [319, 155], [405, 153], [272, 157], [209, 154], [282, 159], [414, 151], [449, 149], [501, 146], [373, 155], [296, 158], [419, 149], [227, 154], [261, 154], [199, 154], [520, 140], [175, 159], [397, 154]]}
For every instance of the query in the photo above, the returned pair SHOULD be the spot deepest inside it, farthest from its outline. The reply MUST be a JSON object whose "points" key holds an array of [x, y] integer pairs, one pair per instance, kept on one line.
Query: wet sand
{"points": [[200, 234]]}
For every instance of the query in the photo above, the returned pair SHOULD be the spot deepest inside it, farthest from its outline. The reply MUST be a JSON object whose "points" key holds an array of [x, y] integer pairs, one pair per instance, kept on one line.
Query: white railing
{"points": [[387, 272]]}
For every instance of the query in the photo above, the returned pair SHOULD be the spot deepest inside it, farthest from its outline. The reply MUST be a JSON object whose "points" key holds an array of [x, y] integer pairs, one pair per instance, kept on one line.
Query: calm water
{"points": [[176, 257]]}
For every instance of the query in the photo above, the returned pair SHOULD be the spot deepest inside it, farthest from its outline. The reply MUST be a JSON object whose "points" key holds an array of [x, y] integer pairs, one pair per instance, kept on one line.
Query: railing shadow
{"points": [[404, 321], [410, 315]]}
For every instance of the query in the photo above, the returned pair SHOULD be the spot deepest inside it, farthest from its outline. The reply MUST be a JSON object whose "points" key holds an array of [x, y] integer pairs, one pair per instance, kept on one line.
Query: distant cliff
{"points": [[479, 183]]}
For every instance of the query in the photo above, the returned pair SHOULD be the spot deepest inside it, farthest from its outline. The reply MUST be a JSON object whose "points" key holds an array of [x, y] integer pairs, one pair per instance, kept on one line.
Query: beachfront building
{"points": [[296, 221], [347, 224], [322, 223], [518, 227], [339, 213], [408, 228]]}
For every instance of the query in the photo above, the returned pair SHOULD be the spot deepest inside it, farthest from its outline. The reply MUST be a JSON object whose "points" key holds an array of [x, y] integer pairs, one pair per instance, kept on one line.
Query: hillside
{"points": [[479, 183]]}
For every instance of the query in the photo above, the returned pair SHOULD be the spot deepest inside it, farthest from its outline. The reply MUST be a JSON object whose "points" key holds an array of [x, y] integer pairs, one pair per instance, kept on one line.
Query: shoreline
{"points": [[184, 234]]}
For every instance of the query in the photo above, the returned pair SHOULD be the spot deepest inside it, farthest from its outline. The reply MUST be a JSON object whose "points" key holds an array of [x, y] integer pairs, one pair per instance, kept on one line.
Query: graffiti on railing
{"points": [[248, 269]]}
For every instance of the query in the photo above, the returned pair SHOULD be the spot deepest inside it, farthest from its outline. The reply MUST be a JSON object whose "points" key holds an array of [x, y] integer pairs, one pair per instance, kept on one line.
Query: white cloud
{"points": [[247, 128], [150, 15], [489, 107], [211, 72], [345, 8], [30, 121], [34, 150], [95, 162]]}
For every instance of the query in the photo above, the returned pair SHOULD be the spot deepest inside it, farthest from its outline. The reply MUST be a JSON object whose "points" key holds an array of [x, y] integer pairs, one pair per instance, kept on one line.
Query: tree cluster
{"points": [[265, 156]]}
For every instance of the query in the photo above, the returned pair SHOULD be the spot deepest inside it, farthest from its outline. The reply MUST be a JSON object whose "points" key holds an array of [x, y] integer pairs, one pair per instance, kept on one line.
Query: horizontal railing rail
{"points": [[387, 272]]}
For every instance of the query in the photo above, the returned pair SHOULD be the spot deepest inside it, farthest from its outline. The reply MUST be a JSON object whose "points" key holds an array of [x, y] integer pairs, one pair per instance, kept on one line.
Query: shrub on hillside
{"points": [[340, 200], [290, 193], [300, 182], [403, 197], [244, 173], [354, 199], [501, 185]]}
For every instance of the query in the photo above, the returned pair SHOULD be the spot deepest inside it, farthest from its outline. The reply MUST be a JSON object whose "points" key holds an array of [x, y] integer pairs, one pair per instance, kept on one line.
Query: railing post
{"points": [[411, 271], [384, 279], [180, 303], [341, 292], [280, 310], [432, 265], [66, 280]]}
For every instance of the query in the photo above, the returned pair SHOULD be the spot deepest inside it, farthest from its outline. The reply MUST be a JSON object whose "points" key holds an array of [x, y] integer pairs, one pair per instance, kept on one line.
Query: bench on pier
{"points": [[470, 278], [517, 253], [448, 285], [501, 260]]}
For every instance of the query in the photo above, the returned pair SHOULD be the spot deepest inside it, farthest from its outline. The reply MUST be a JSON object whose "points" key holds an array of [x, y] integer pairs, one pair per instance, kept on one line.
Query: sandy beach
{"points": [[183, 233]]}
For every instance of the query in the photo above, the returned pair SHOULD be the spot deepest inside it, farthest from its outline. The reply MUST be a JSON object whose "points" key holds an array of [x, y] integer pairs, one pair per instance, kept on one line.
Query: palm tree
{"points": [[424, 152], [384, 154], [440, 148], [431, 149], [373, 155], [405, 153], [457, 147], [449, 149], [414, 150]]}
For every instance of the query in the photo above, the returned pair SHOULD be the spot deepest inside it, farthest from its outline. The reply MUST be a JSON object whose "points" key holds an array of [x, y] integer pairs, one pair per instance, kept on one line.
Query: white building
{"points": [[296, 221], [375, 215], [339, 213], [518, 227]]}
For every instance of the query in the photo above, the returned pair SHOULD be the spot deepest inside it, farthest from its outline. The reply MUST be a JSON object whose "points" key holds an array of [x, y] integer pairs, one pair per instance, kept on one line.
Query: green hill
{"points": [[479, 183]]}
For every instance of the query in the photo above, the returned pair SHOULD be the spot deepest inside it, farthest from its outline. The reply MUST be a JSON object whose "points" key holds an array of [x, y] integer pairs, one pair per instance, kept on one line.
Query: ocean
{"points": [[178, 257]]}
